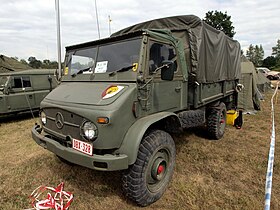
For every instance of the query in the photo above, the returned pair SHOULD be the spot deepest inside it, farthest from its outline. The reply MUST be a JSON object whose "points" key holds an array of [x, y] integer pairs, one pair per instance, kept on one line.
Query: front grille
{"points": [[63, 123]]}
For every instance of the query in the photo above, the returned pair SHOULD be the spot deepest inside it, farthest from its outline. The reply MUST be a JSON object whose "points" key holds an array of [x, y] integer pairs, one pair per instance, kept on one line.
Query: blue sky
{"points": [[28, 27]]}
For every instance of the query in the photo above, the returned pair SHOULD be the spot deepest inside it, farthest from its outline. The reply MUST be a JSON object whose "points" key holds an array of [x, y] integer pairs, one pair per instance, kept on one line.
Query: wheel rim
{"points": [[222, 121], [158, 170]]}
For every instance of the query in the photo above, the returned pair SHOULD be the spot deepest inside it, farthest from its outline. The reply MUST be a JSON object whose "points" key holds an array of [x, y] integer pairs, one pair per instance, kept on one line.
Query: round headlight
{"points": [[89, 130], [43, 118]]}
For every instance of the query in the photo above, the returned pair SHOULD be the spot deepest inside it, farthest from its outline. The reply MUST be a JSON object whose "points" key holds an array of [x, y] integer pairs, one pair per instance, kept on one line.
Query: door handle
{"points": [[177, 89], [30, 96]]}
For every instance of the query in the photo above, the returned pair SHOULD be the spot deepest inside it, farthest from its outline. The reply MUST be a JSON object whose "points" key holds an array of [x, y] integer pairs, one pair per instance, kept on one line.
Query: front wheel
{"points": [[147, 179]]}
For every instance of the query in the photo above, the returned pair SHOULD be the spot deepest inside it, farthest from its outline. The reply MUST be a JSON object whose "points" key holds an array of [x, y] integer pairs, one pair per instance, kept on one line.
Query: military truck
{"points": [[24, 90], [122, 98]]}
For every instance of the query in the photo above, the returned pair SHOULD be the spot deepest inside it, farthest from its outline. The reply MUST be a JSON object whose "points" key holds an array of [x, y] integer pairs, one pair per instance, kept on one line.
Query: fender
{"points": [[134, 135]]}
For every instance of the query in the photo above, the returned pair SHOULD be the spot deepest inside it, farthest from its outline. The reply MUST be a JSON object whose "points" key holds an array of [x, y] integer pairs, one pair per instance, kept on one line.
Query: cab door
{"points": [[166, 95], [21, 96]]}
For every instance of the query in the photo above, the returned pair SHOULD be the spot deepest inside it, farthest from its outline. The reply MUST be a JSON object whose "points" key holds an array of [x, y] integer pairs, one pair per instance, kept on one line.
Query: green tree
{"points": [[276, 49], [276, 52], [46, 64], [255, 54], [269, 62], [34, 63], [259, 53], [250, 53], [23, 61], [220, 21], [54, 65]]}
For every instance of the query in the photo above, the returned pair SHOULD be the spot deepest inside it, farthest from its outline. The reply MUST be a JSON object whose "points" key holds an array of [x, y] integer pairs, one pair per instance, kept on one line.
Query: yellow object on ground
{"points": [[231, 116]]}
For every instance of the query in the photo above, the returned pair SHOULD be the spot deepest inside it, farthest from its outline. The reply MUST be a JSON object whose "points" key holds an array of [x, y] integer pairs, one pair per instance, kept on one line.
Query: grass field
{"points": [[225, 174]]}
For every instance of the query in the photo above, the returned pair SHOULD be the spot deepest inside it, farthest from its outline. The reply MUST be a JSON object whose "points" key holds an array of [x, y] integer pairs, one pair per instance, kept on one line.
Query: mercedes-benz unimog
{"points": [[121, 99]]}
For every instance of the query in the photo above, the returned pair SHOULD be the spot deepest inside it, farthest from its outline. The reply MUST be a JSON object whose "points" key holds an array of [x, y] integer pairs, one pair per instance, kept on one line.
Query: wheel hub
{"points": [[158, 169], [222, 120]]}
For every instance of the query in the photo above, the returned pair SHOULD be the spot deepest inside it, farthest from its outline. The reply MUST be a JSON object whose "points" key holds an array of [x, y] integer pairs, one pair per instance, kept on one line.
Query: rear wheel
{"points": [[147, 179], [216, 121]]}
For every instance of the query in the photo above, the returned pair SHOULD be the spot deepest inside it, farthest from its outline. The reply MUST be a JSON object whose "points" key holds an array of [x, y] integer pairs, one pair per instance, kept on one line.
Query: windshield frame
{"points": [[130, 75]]}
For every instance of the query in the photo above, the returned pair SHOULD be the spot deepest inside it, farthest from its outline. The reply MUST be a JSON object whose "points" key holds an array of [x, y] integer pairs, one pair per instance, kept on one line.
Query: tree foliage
{"points": [[37, 64], [220, 21], [34, 63], [23, 61], [255, 54], [276, 50], [269, 62]]}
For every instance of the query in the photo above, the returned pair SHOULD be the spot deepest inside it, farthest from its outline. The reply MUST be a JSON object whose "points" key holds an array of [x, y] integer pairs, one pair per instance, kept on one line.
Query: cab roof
{"points": [[30, 72], [105, 40]]}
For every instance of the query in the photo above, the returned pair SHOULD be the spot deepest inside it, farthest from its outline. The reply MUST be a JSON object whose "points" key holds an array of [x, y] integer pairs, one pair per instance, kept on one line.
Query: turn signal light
{"points": [[103, 120]]}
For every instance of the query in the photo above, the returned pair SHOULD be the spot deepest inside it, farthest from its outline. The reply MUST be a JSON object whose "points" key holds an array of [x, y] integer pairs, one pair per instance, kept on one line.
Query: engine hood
{"points": [[87, 93]]}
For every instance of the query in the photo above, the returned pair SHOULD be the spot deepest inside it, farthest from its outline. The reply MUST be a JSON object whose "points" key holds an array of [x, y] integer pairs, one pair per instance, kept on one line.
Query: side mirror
{"points": [[167, 72]]}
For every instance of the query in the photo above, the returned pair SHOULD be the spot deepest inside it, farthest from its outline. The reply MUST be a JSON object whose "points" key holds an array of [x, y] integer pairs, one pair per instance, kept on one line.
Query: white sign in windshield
{"points": [[101, 67]]}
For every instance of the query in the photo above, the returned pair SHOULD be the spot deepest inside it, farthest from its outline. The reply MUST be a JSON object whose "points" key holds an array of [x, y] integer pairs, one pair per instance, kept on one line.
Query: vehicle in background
{"points": [[122, 97], [271, 75], [24, 90]]}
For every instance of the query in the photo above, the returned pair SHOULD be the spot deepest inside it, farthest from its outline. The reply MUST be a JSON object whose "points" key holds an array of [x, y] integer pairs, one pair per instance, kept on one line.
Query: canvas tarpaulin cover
{"points": [[263, 83], [249, 97], [212, 55]]}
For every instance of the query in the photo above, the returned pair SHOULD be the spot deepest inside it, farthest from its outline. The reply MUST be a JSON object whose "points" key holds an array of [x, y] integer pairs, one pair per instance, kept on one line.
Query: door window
{"points": [[21, 82], [160, 52], [17, 82], [26, 82]]}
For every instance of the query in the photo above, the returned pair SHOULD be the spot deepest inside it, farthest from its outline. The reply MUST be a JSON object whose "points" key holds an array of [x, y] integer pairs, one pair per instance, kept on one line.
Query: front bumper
{"points": [[107, 162]]}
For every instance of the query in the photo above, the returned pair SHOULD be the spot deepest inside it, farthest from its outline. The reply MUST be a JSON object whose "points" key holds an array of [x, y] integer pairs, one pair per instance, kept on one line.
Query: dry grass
{"points": [[225, 174]]}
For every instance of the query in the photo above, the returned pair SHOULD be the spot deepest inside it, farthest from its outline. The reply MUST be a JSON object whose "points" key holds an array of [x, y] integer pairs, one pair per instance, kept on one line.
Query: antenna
{"points": [[97, 19], [110, 20], [58, 37]]}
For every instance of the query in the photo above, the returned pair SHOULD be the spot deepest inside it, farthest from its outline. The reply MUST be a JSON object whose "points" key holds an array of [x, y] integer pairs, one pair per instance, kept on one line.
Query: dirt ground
{"points": [[225, 174]]}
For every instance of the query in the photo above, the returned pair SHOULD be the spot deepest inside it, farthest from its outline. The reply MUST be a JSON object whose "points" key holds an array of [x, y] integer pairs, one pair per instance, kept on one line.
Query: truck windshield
{"points": [[3, 81], [105, 58]]}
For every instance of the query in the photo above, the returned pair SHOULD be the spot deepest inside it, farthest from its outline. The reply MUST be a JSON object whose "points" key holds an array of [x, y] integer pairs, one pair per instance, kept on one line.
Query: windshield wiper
{"points": [[126, 68], [81, 71]]}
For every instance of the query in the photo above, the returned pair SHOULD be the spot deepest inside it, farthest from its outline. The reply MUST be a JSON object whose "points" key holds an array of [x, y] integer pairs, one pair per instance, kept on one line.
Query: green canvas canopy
{"points": [[263, 83], [203, 47], [249, 97]]}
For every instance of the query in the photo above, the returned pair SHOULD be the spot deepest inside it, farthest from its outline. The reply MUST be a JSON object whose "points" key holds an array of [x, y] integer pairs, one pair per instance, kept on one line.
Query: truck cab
{"points": [[107, 86]]}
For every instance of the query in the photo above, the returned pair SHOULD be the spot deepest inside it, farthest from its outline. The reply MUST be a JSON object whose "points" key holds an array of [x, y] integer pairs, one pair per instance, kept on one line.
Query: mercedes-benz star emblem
{"points": [[59, 121]]}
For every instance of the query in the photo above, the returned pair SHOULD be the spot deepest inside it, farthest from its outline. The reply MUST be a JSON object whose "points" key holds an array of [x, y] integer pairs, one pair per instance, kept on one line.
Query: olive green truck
{"points": [[23, 91], [121, 99]]}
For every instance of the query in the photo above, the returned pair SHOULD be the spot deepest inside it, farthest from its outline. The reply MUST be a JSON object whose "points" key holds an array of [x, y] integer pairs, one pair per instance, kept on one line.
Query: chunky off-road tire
{"points": [[147, 179], [192, 118], [216, 121]]}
